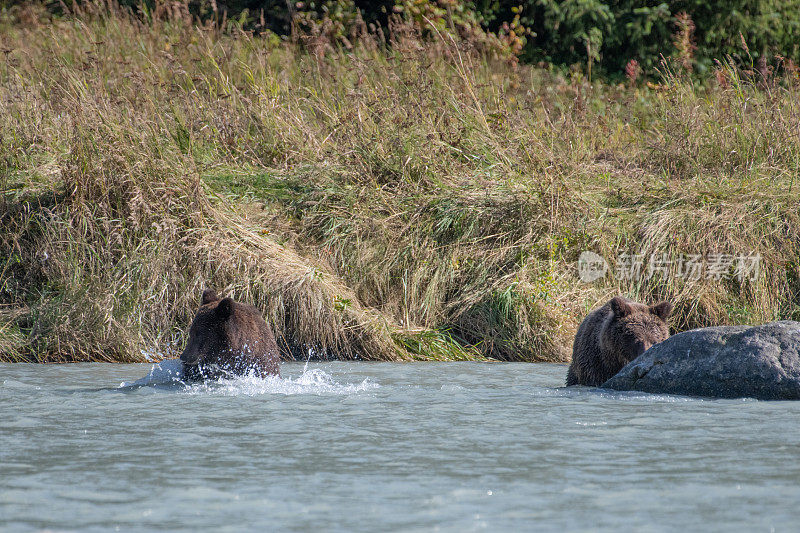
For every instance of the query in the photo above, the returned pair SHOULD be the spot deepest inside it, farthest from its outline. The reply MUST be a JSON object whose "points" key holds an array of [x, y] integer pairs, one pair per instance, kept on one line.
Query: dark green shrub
{"points": [[612, 33]]}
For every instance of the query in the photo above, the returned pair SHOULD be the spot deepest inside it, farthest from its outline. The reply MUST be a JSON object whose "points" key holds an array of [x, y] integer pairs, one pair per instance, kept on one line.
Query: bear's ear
{"points": [[620, 307], [225, 308], [661, 310], [209, 295]]}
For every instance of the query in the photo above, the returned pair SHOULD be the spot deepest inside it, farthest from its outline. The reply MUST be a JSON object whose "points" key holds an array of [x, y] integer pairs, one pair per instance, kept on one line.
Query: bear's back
{"points": [[229, 338]]}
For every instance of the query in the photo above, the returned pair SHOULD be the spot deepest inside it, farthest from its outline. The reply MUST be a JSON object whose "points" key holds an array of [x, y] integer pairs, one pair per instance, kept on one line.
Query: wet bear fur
{"points": [[612, 336], [227, 339]]}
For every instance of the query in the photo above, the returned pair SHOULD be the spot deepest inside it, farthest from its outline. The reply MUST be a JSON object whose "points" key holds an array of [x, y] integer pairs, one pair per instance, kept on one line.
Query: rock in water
{"points": [[760, 362]]}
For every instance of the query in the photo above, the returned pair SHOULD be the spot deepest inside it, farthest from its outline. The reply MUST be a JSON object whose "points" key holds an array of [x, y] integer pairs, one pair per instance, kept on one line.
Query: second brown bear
{"points": [[614, 335]]}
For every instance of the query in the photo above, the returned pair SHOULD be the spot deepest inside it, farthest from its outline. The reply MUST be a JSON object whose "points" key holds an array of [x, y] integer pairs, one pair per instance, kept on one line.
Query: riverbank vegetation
{"points": [[409, 196]]}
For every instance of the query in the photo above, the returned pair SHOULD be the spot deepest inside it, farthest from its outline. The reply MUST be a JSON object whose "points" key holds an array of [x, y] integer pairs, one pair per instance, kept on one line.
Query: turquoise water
{"points": [[385, 447]]}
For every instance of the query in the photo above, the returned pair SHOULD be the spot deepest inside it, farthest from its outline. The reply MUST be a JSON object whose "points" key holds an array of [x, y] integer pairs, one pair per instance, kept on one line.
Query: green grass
{"points": [[417, 202]]}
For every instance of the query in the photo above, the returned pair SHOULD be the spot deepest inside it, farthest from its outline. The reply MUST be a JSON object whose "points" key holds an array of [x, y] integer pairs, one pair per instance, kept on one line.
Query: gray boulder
{"points": [[760, 362]]}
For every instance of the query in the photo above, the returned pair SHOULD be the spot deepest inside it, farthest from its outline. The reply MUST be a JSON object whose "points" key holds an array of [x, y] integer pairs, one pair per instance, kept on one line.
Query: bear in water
{"points": [[614, 335], [229, 338]]}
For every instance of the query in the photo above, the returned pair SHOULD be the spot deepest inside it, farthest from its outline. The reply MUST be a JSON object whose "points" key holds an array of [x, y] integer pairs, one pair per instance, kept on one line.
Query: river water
{"points": [[385, 447]]}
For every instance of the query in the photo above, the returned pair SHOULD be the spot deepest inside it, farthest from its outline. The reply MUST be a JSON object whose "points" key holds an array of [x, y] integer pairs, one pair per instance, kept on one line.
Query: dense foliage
{"points": [[615, 32]]}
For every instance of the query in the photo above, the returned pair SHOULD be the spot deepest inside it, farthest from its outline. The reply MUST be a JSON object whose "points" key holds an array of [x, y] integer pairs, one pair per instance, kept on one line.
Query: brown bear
{"points": [[612, 336], [229, 338]]}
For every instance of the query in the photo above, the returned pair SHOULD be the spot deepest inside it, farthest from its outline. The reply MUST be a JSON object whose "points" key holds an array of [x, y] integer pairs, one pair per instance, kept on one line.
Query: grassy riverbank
{"points": [[423, 202]]}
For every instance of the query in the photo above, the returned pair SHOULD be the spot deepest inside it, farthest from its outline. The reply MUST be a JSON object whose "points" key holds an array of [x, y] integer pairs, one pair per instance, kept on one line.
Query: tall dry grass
{"points": [[415, 201]]}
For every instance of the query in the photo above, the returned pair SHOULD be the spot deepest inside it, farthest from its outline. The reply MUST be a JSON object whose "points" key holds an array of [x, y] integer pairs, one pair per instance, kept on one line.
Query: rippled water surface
{"points": [[383, 446]]}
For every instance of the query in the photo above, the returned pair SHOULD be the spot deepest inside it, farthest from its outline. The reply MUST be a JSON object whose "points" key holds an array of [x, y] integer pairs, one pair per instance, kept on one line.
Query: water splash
{"points": [[314, 381], [165, 372]]}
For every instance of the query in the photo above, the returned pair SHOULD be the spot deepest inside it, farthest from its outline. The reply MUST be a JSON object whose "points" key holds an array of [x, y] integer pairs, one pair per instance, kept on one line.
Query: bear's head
{"points": [[634, 327], [228, 337]]}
